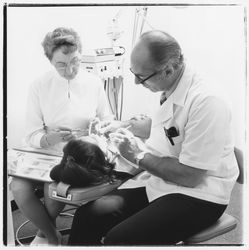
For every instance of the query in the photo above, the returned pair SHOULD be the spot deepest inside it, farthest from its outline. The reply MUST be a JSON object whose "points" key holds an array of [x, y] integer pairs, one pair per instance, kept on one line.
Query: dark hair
{"points": [[61, 37], [163, 48], [83, 164]]}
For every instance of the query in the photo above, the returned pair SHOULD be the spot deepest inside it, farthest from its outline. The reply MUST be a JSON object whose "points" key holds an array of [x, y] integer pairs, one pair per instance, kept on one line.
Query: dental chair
{"points": [[226, 222], [79, 196]]}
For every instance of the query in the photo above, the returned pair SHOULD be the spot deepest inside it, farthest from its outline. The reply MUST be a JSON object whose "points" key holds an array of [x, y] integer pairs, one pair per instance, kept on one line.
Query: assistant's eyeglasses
{"points": [[75, 63]]}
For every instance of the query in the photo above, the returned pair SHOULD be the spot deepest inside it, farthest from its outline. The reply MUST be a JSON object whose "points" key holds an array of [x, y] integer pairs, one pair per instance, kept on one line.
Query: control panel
{"points": [[103, 63]]}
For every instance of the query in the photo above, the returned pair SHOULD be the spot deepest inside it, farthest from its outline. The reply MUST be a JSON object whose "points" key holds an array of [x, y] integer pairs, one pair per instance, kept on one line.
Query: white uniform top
{"points": [[205, 141], [54, 101]]}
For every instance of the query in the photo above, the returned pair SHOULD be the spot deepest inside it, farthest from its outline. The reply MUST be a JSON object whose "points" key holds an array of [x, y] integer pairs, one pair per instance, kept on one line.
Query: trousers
{"points": [[126, 218]]}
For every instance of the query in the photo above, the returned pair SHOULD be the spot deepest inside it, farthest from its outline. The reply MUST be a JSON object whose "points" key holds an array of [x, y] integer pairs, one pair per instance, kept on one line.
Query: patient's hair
{"points": [[84, 164]]}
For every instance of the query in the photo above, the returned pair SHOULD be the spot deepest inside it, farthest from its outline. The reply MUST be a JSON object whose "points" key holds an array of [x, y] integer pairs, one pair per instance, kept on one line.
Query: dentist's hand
{"points": [[127, 144], [141, 126]]}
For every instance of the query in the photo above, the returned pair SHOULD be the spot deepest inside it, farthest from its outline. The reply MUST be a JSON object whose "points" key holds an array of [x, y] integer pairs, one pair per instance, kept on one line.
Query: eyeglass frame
{"points": [[72, 64], [142, 81]]}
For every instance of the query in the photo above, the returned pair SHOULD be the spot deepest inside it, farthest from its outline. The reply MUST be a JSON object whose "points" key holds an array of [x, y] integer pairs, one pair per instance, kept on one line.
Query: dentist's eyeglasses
{"points": [[143, 80]]}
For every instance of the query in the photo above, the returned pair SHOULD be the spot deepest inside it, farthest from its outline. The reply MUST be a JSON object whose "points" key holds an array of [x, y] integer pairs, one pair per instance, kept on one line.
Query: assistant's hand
{"points": [[51, 138], [127, 144], [94, 126]]}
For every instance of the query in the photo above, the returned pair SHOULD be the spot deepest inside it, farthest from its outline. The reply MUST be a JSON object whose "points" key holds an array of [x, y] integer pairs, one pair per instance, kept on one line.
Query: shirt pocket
{"points": [[175, 149]]}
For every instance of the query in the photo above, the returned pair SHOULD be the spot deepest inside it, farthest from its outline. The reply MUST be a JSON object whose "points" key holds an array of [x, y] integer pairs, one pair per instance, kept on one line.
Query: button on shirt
{"points": [[205, 141], [54, 101]]}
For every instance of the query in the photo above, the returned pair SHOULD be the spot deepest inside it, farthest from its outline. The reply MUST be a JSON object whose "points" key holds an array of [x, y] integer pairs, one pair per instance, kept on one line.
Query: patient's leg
{"points": [[53, 207], [33, 208]]}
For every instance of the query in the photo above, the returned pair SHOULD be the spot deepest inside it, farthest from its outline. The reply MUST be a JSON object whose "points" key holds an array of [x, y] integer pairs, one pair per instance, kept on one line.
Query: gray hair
{"points": [[61, 37], [163, 48]]}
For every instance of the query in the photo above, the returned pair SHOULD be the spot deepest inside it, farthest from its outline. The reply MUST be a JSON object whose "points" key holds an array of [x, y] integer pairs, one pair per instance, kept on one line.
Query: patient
{"points": [[84, 164]]}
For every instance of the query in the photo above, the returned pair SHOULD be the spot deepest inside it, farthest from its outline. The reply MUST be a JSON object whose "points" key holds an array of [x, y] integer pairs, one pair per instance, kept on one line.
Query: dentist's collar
{"points": [[169, 92]]}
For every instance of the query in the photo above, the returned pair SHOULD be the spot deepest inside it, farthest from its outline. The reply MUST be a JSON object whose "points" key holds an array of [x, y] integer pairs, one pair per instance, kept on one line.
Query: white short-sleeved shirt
{"points": [[205, 141], [54, 101]]}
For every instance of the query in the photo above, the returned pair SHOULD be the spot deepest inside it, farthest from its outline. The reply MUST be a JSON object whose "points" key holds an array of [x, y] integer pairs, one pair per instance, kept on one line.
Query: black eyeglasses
{"points": [[141, 81]]}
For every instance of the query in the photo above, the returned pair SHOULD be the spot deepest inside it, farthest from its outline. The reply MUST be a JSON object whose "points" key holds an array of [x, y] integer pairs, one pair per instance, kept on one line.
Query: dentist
{"points": [[188, 158]]}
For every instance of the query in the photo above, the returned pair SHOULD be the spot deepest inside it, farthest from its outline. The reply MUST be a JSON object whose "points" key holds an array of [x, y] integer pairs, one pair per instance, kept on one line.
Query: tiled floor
{"points": [[234, 237]]}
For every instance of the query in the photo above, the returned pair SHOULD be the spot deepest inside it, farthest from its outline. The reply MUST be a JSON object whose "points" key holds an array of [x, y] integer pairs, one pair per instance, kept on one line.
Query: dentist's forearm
{"points": [[170, 169]]}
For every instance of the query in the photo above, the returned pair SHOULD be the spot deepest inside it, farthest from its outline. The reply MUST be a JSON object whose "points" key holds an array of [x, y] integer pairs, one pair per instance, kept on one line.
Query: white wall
{"points": [[212, 39], [213, 42]]}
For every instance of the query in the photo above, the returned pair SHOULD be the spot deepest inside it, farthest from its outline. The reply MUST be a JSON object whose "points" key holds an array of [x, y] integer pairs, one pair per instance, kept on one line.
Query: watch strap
{"points": [[140, 156]]}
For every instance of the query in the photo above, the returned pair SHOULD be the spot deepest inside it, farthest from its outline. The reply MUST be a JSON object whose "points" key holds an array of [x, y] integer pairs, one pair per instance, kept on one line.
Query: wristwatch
{"points": [[140, 156]]}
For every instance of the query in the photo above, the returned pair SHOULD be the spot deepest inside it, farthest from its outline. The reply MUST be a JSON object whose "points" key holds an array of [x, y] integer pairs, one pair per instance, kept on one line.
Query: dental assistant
{"points": [[62, 100]]}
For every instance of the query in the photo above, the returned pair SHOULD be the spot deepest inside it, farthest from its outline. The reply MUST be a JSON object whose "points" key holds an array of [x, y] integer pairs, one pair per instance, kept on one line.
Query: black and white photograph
{"points": [[125, 123]]}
